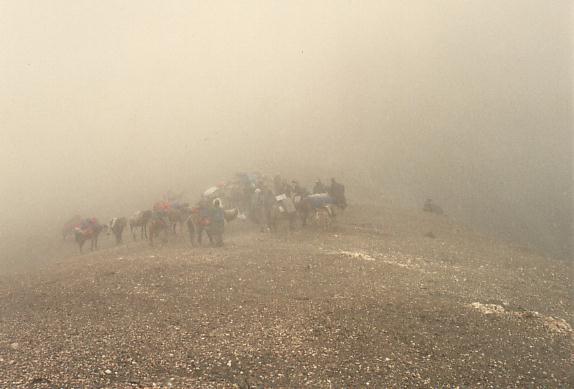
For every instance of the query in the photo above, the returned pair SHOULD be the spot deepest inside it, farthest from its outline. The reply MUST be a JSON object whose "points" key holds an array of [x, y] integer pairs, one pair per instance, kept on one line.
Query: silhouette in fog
{"points": [[203, 221], [268, 203], [177, 214], [283, 209], [70, 226], [318, 206], [158, 226], [191, 223], [140, 220], [217, 223], [431, 207], [337, 191], [117, 226], [200, 219], [257, 210], [89, 229]]}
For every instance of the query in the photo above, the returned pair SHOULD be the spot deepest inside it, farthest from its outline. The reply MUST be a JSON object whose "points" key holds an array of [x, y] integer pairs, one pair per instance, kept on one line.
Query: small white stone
{"points": [[108, 371]]}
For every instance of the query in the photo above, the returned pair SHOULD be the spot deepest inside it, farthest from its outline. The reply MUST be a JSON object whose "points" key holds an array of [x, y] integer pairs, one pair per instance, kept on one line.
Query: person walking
{"points": [[217, 225]]}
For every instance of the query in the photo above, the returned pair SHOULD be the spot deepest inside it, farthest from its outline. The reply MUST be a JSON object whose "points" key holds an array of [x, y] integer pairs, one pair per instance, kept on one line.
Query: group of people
{"points": [[249, 196], [265, 198], [207, 216]]}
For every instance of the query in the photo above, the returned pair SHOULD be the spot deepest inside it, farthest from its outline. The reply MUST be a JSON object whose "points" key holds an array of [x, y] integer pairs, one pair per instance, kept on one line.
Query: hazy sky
{"points": [[105, 104]]}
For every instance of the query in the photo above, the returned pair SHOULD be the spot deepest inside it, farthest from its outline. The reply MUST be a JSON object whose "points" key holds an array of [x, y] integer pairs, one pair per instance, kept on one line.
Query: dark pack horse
{"points": [[89, 232], [197, 224], [318, 206]]}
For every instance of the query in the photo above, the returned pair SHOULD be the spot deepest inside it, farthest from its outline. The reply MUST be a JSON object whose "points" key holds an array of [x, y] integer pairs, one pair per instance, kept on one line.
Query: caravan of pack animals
{"points": [[272, 204]]}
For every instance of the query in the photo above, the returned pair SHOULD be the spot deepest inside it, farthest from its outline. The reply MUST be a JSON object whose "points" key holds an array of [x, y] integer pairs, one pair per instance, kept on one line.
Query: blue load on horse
{"points": [[319, 200]]}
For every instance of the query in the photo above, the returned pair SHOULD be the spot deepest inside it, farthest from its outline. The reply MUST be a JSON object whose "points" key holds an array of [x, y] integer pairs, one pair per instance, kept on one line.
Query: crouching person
{"points": [[217, 224]]}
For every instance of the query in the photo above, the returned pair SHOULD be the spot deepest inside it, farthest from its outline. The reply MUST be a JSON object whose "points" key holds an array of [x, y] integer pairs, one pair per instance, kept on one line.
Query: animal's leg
{"points": [[200, 234], [218, 238], [191, 230], [304, 216]]}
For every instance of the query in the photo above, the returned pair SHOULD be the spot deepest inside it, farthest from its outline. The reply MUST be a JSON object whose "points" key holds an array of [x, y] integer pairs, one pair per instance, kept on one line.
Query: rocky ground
{"points": [[387, 299]]}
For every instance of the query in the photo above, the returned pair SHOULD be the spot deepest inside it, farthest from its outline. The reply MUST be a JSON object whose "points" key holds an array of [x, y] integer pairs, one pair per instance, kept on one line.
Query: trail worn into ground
{"points": [[389, 298]]}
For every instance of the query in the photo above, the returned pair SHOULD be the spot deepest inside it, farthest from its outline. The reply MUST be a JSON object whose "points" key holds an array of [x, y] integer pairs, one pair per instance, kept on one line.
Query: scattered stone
{"points": [[355, 255]]}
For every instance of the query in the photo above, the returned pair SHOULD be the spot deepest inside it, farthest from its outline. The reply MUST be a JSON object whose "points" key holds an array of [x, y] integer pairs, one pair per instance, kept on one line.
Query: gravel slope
{"points": [[373, 303]]}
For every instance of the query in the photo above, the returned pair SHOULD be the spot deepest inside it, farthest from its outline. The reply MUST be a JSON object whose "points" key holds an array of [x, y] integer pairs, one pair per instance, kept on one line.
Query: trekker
{"points": [[268, 202], [217, 225], [337, 191], [258, 208]]}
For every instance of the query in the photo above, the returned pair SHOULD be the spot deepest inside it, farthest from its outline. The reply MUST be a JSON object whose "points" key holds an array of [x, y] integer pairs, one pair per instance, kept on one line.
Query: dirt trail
{"points": [[375, 302]]}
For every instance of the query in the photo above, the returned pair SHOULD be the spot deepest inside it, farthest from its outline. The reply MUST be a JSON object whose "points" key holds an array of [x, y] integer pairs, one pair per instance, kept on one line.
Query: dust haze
{"points": [[104, 106]]}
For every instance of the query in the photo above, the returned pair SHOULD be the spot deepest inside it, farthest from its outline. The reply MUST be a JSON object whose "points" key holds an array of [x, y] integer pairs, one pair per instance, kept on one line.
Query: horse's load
{"points": [[321, 199], [231, 214], [161, 206], [211, 191], [286, 204], [87, 226]]}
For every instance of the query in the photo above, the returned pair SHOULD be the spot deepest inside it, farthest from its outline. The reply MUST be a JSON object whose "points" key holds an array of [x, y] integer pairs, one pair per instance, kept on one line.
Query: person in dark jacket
{"points": [[337, 191]]}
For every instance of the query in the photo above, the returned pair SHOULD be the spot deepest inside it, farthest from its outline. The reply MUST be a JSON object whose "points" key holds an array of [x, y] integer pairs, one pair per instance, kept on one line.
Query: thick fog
{"points": [[104, 106]]}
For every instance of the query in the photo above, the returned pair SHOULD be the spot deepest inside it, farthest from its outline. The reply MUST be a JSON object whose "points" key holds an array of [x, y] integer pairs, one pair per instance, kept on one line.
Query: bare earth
{"points": [[373, 303]]}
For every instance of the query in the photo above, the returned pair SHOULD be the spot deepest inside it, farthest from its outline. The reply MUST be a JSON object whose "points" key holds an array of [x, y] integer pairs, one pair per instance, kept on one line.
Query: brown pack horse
{"points": [[158, 228], [196, 225], [177, 216], [91, 233]]}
